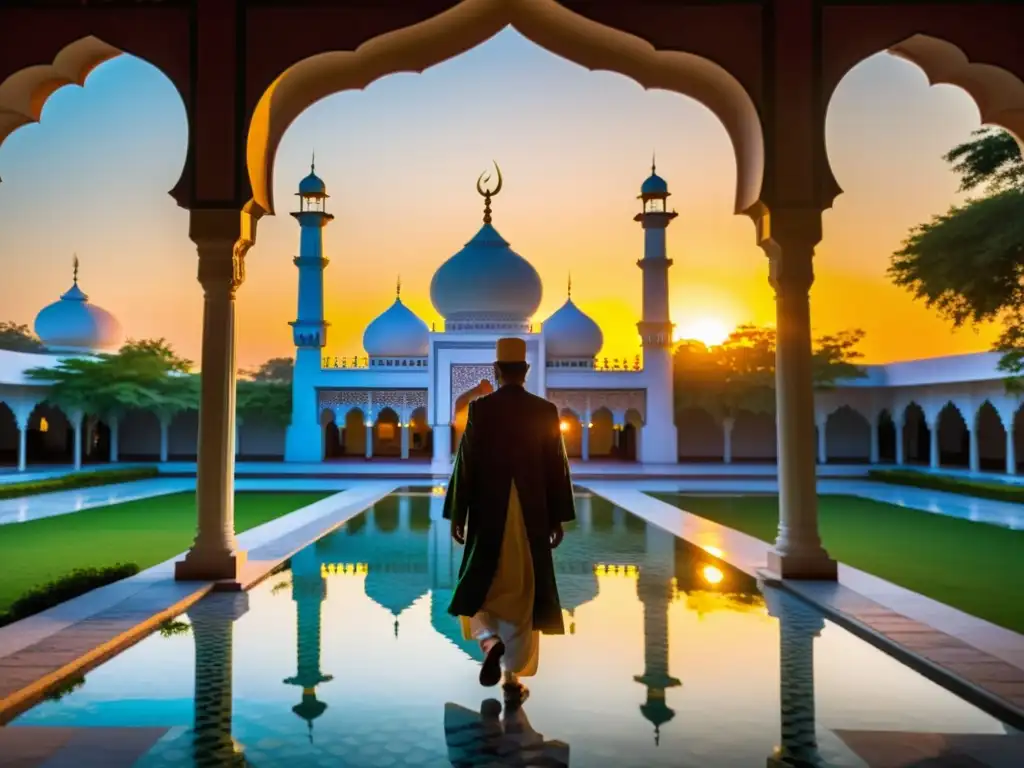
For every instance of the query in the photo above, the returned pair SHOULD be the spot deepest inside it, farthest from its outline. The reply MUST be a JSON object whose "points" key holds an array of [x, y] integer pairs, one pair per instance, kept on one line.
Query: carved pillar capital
{"points": [[788, 237], [223, 236]]}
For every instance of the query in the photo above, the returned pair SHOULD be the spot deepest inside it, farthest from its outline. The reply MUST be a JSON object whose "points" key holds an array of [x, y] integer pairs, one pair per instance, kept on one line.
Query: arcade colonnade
{"points": [[766, 70]]}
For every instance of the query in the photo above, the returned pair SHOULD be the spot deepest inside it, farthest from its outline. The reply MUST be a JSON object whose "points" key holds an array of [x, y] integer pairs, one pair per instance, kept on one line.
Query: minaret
{"points": [[304, 441], [309, 588], [658, 441], [654, 588]]}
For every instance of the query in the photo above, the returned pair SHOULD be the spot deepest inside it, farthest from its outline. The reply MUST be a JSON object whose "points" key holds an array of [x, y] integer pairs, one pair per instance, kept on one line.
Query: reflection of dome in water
{"points": [[448, 626], [576, 589], [395, 591]]}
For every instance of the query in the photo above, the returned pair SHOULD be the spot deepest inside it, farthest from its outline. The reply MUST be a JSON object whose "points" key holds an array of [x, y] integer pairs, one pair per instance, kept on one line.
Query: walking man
{"points": [[509, 494]]}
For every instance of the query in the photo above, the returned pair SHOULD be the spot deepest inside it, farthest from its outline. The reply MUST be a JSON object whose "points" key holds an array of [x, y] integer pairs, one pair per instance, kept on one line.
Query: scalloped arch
{"points": [[998, 93], [470, 23]]}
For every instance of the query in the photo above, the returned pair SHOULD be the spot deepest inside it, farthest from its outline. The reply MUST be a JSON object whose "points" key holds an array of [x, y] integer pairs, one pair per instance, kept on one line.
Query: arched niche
{"points": [[915, 435], [387, 434], [51, 436], [330, 435], [355, 434], [991, 438], [954, 437], [602, 433], [10, 436], [847, 436], [420, 443], [572, 433], [886, 437]]}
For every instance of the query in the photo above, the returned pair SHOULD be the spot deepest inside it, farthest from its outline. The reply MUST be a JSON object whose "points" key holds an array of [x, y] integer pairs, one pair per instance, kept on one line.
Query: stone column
{"points": [[974, 461], [789, 238], [21, 421], [934, 456], [369, 427], [822, 430], [115, 448], [405, 439], [165, 427], [76, 420], [798, 626], [1011, 451], [442, 436], [213, 620], [218, 238], [727, 426], [875, 455], [901, 439], [585, 438]]}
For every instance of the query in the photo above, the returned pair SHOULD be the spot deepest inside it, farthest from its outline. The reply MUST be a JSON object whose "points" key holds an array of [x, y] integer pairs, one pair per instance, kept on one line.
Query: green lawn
{"points": [[144, 532], [975, 567]]}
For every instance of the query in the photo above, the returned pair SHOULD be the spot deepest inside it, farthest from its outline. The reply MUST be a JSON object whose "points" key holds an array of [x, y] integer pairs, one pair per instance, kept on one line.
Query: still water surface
{"points": [[671, 658]]}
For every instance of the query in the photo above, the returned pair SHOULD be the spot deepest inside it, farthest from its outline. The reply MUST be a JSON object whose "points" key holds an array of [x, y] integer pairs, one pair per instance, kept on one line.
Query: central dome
{"points": [[486, 285]]}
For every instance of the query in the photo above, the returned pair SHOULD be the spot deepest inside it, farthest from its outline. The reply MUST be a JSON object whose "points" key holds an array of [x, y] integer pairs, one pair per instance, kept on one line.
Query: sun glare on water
{"points": [[707, 330]]}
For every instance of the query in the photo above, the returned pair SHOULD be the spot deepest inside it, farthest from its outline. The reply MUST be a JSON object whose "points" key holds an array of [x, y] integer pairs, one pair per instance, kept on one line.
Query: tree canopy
{"points": [[274, 369], [739, 374], [968, 263], [17, 337]]}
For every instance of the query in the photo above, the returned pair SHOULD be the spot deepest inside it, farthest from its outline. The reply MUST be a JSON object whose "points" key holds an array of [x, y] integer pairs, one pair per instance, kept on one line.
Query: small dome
{"points": [[398, 332], [312, 186], [654, 185], [486, 281], [74, 325], [570, 333]]}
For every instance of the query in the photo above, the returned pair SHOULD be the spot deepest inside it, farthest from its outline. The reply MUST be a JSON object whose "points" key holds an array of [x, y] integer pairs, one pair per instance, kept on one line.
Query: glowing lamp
{"points": [[590, 425], [369, 424], [564, 426]]}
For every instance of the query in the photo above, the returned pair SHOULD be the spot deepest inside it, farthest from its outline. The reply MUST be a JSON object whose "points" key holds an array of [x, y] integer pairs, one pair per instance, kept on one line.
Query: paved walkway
{"points": [[983, 656], [38, 652]]}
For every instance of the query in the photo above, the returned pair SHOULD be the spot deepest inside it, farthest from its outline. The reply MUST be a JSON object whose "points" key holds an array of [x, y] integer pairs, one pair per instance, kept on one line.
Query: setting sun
{"points": [[707, 330]]}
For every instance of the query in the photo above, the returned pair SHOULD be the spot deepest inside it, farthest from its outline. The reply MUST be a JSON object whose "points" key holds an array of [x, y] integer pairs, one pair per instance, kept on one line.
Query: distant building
{"points": [[407, 397]]}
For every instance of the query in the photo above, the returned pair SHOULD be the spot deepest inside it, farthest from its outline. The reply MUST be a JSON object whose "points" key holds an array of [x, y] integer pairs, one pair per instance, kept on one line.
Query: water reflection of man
{"points": [[486, 738], [509, 494]]}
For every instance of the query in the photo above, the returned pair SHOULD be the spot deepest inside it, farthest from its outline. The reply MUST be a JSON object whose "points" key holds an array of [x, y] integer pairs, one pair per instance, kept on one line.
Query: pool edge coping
{"points": [[254, 573]]}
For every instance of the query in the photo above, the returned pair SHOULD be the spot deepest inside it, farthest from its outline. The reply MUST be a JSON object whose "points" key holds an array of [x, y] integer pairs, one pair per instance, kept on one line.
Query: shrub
{"points": [[76, 480], [994, 489], [68, 586]]}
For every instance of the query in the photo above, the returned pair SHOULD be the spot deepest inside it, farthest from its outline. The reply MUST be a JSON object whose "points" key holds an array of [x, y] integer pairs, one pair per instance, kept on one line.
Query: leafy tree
{"points": [[968, 264], [275, 369], [739, 375], [17, 337], [269, 400]]}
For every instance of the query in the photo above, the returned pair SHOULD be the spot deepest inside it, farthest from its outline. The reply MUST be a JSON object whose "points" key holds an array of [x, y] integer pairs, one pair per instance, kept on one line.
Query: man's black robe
{"points": [[510, 434]]}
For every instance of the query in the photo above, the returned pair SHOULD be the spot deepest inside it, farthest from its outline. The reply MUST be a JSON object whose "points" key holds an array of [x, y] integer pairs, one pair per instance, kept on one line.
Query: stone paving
{"points": [[36, 654], [985, 662]]}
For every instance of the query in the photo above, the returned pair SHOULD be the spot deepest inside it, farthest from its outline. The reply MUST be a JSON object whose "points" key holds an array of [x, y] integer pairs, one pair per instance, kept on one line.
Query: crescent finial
{"points": [[487, 194]]}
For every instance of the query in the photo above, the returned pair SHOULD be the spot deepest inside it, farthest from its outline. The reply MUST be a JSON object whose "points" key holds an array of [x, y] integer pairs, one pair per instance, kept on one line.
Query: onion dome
{"points": [[74, 325], [397, 332], [571, 333], [654, 185], [486, 285], [312, 185]]}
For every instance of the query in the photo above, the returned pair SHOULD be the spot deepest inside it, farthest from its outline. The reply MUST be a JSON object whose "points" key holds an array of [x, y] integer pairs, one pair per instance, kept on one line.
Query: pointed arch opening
{"points": [[992, 438], [954, 437], [915, 435], [847, 436]]}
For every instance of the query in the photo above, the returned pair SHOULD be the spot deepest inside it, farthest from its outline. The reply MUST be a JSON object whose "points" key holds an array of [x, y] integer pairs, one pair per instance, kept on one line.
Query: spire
{"points": [[75, 269], [653, 163], [487, 194], [312, 163], [568, 291], [398, 288]]}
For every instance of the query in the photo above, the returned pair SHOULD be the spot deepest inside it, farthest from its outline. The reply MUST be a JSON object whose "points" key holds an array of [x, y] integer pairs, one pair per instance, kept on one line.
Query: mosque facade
{"points": [[421, 380], [407, 397]]}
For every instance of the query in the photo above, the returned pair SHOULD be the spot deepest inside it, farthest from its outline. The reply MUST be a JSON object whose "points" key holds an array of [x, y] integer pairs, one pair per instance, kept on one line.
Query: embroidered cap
{"points": [[511, 350]]}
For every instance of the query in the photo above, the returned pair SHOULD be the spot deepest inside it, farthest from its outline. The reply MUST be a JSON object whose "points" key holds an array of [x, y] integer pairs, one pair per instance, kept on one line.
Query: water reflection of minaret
{"points": [[309, 588], [213, 621], [585, 513], [439, 552], [798, 626], [654, 588]]}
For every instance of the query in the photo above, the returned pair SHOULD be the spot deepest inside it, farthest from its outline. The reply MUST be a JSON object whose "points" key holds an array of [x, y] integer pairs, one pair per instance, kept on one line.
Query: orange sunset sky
{"points": [[401, 160]]}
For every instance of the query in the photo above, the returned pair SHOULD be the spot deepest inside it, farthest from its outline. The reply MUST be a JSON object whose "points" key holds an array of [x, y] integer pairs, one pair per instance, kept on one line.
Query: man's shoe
{"points": [[490, 670]]}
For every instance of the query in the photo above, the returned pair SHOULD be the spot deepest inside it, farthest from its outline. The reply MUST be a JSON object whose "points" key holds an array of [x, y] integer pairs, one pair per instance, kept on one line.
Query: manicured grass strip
{"points": [[144, 532], [75, 480], [991, 489], [68, 586], [975, 567]]}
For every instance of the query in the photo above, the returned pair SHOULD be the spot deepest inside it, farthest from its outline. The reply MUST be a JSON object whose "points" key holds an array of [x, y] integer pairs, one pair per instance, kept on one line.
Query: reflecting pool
{"points": [[349, 658]]}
